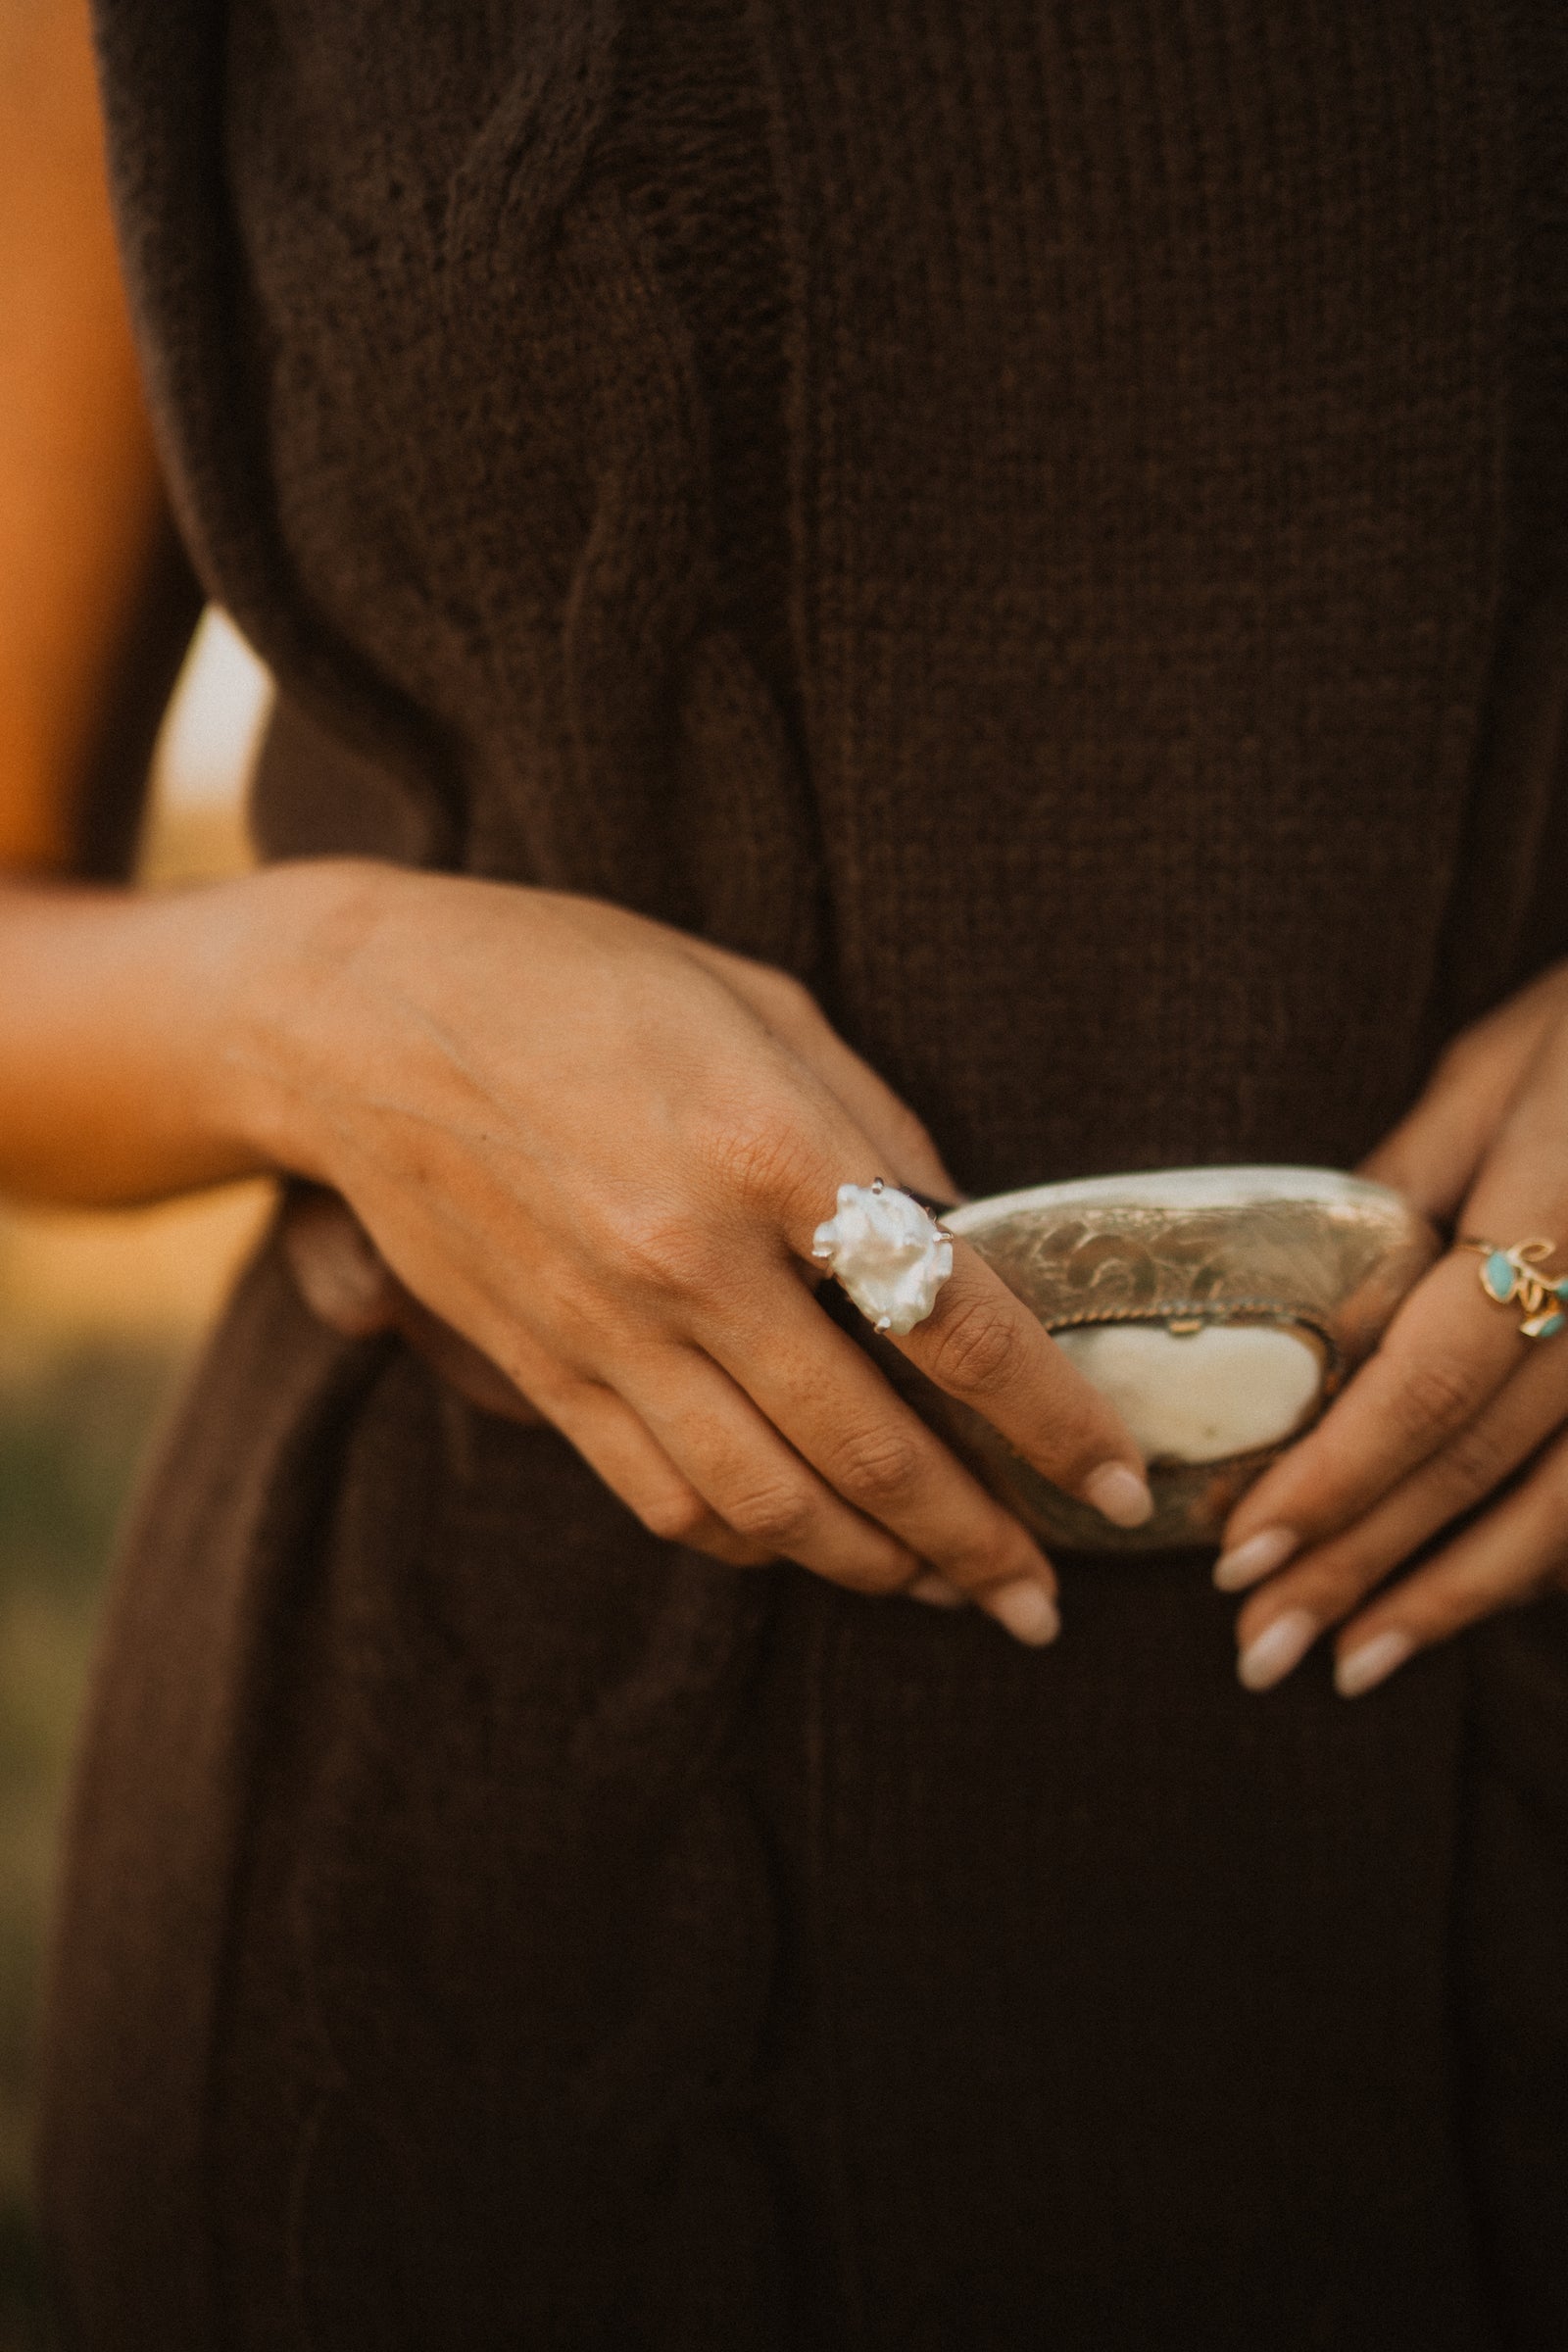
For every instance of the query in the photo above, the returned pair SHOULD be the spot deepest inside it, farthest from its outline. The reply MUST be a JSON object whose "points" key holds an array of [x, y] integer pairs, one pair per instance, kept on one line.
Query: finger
{"points": [[982, 1345], [904, 1149], [615, 1443], [1433, 1156], [348, 1285], [620, 1440], [461, 1364], [910, 1157], [1329, 1581], [1426, 1382], [1444, 1356], [979, 1344], [1506, 1558], [738, 1462], [1434, 1153], [1496, 1116], [599, 1427], [826, 1396], [740, 1465], [337, 1269]]}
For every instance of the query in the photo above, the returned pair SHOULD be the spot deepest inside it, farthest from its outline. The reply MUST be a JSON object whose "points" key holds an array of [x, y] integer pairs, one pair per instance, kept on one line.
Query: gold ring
{"points": [[1515, 1275]]}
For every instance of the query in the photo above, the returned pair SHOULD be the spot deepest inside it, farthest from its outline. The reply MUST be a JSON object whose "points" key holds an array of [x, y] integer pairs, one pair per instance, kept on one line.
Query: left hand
{"points": [[1452, 1440], [348, 1285]]}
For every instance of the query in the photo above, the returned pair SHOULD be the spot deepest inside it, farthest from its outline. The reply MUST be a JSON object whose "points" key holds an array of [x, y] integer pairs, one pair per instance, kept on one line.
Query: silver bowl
{"points": [[1220, 1308]]}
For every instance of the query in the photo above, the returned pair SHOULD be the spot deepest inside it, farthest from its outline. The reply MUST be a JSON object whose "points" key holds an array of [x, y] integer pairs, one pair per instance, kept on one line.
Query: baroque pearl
{"points": [[887, 1252]]}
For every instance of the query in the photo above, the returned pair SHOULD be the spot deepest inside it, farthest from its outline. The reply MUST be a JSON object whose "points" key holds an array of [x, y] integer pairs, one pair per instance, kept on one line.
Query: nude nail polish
{"points": [[1027, 1611], [1271, 1654], [1119, 1495], [1250, 1562], [1362, 1669]]}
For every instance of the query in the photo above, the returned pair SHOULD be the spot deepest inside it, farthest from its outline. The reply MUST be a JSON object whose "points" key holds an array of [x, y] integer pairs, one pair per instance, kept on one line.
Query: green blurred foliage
{"points": [[74, 1429]]}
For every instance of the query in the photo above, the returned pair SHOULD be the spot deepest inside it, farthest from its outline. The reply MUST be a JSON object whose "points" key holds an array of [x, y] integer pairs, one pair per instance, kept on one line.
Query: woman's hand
{"points": [[598, 1149], [348, 1285], [1452, 1442]]}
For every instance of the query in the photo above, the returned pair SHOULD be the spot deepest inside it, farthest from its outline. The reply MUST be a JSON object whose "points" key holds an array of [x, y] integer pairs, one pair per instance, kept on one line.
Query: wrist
{"points": [[294, 1019]]}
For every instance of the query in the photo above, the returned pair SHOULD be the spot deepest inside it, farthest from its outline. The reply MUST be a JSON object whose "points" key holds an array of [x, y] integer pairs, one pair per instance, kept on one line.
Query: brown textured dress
{"points": [[1052, 522]]}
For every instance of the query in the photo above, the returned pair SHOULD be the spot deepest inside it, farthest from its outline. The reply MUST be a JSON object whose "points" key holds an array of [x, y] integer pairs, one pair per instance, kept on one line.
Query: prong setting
{"points": [[889, 1253]]}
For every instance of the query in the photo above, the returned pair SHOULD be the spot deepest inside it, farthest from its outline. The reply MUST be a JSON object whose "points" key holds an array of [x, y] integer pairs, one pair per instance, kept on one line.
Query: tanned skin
{"points": [[591, 1151], [80, 494]]}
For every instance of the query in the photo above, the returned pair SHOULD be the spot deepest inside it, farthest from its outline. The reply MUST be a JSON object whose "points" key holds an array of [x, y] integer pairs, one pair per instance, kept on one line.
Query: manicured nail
{"points": [[1269, 1658], [935, 1591], [1364, 1668], [1119, 1495], [1026, 1609], [1256, 1558]]}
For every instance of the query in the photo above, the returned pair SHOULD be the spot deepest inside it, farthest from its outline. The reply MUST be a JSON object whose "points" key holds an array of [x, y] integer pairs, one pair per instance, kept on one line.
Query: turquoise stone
{"points": [[1561, 1288], [1498, 1276], [1543, 1328]]}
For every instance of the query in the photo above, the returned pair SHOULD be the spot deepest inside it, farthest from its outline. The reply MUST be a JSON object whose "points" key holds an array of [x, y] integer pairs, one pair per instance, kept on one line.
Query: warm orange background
{"points": [[77, 487]]}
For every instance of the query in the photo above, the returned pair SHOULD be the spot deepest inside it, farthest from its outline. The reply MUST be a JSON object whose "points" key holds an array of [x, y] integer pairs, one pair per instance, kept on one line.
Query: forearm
{"points": [[79, 497], [143, 1039]]}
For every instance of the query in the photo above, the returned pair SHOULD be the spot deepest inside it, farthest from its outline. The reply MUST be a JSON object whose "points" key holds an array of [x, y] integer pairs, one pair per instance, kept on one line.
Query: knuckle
{"points": [[1433, 1395], [791, 1000], [675, 1517], [874, 1466], [1472, 1464], [663, 1251], [762, 1157], [777, 1514], [975, 1349]]}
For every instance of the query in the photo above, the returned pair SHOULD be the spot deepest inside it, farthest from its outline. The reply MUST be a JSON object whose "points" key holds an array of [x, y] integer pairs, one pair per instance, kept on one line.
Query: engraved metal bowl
{"points": [[1303, 1267]]}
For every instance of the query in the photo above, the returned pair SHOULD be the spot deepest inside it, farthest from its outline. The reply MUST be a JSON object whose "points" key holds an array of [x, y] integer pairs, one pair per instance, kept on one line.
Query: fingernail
{"points": [[1268, 1659], [1364, 1668], [1256, 1558], [935, 1591], [1026, 1609], [1119, 1495]]}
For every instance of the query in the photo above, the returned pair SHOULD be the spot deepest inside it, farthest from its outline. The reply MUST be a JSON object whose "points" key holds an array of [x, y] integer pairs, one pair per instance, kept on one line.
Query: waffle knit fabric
{"points": [[1052, 523]]}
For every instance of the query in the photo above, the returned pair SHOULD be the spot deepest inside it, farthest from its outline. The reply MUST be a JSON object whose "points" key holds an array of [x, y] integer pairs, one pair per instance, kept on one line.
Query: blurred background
{"points": [[100, 1316]]}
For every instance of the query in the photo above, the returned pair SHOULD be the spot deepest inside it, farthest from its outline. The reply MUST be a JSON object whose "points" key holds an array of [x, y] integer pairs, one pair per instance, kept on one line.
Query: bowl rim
{"points": [[1178, 1189]]}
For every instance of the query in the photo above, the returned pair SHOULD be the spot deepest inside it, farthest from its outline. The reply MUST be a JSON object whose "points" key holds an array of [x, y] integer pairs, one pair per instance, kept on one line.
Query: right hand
{"points": [[597, 1150]]}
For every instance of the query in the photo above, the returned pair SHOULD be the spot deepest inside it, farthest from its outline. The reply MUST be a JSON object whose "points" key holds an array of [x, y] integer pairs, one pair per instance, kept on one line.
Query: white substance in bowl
{"points": [[1204, 1396]]}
